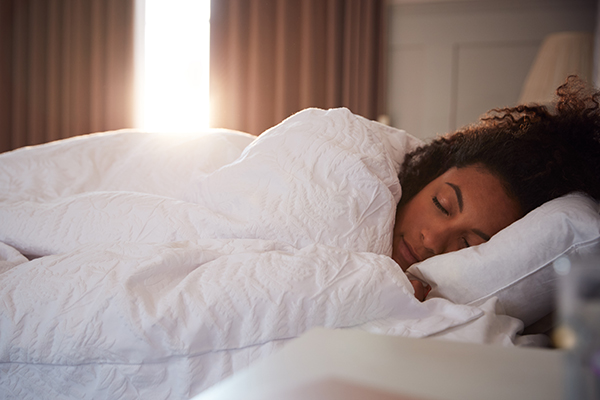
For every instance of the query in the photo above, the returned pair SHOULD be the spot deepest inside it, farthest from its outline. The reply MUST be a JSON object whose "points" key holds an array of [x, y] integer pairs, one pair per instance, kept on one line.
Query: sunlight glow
{"points": [[173, 86]]}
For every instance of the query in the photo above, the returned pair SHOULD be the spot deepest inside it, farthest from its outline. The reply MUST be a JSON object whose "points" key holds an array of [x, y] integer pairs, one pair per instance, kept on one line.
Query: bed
{"points": [[139, 264]]}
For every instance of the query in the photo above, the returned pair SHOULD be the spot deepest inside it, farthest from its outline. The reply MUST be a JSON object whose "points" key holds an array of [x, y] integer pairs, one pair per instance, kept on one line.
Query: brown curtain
{"points": [[66, 68], [271, 58]]}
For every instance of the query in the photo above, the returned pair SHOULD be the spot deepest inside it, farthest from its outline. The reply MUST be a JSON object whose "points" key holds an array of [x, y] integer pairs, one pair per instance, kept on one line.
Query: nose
{"points": [[435, 241]]}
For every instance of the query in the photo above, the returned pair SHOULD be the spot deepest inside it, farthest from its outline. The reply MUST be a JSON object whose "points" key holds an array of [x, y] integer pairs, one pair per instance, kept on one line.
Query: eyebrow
{"points": [[481, 234], [459, 196]]}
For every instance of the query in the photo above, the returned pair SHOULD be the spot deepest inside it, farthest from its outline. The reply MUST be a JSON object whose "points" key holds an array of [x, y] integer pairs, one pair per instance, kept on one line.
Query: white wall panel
{"points": [[409, 64], [489, 75], [451, 61]]}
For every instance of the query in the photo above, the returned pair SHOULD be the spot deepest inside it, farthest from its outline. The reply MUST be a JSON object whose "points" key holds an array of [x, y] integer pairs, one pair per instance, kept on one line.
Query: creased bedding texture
{"points": [[158, 265]]}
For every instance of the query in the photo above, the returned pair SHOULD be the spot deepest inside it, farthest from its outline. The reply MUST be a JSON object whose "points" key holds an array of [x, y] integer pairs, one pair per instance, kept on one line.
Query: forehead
{"points": [[473, 178]]}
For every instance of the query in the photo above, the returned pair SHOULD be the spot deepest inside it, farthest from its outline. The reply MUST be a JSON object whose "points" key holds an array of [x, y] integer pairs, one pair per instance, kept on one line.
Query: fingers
{"points": [[421, 289]]}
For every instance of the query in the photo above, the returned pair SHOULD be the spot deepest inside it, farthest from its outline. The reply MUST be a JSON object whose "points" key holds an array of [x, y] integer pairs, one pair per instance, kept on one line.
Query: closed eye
{"points": [[465, 242], [439, 206]]}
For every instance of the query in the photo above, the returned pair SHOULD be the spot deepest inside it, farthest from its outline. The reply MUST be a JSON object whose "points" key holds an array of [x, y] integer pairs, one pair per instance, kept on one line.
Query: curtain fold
{"points": [[272, 58], [71, 69]]}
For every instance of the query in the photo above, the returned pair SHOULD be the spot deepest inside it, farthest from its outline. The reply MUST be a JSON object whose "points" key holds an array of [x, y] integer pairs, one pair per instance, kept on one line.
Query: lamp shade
{"points": [[560, 55]]}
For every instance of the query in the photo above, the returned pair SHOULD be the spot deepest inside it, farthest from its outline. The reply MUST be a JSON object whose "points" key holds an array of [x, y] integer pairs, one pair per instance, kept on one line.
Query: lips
{"points": [[405, 253]]}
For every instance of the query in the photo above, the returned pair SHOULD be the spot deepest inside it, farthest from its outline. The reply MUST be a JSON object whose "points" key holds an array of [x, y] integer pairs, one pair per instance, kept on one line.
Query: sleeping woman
{"points": [[463, 188], [148, 273], [457, 191]]}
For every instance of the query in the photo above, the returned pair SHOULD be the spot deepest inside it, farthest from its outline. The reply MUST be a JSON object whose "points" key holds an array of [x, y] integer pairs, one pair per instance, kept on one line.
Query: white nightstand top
{"points": [[332, 364]]}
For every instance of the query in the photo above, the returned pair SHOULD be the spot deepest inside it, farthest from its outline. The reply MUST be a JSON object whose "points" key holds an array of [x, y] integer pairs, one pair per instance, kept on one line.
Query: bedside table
{"points": [[352, 364]]}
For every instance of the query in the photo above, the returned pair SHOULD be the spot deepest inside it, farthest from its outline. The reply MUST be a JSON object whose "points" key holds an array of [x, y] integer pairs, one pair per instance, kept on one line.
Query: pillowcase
{"points": [[515, 265]]}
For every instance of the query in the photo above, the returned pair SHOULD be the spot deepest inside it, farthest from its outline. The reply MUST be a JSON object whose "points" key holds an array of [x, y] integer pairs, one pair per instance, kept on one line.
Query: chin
{"points": [[402, 263]]}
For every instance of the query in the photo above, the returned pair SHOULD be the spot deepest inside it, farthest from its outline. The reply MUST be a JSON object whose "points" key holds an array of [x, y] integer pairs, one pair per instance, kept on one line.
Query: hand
{"points": [[421, 289]]}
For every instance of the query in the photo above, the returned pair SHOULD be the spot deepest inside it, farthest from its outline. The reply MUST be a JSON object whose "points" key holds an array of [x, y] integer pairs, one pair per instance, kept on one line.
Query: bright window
{"points": [[173, 65]]}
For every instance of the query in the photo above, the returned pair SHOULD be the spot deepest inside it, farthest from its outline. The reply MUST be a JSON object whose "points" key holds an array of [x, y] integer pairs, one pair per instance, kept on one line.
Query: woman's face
{"points": [[461, 208]]}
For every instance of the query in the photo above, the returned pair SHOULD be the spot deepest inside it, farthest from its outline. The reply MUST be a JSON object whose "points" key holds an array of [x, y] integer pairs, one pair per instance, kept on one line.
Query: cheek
{"points": [[410, 217], [399, 222]]}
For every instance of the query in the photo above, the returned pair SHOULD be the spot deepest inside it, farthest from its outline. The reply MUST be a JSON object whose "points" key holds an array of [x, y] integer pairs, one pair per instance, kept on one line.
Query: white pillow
{"points": [[515, 265]]}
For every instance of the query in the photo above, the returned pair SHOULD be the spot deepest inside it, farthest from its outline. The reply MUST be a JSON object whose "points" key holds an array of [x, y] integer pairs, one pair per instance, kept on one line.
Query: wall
{"points": [[451, 61]]}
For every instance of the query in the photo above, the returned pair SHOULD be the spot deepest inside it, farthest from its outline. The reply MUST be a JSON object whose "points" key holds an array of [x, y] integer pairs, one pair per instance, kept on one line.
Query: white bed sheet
{"points": [[160, 266]]}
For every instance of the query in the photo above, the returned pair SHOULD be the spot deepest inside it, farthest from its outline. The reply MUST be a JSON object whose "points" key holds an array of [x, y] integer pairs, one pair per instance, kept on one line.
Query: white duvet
{"points": [[144, 265]]}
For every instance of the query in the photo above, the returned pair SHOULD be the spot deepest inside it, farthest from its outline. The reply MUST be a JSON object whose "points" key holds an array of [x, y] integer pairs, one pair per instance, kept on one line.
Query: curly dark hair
{"points": [[538, 153]]}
